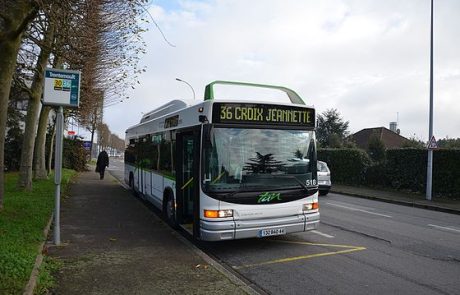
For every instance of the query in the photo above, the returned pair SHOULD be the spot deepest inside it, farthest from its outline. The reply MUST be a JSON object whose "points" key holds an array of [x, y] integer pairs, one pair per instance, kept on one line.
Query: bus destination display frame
{"points": [[250, 113]]}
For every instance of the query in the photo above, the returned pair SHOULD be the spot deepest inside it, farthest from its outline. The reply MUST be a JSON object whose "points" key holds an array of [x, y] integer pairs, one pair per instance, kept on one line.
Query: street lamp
{"points": [[429, 174], [180, 80]]}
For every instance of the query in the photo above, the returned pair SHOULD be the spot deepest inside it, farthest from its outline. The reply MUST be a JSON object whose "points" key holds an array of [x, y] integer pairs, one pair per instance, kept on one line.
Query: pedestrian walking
{"points": [[102, 162]]}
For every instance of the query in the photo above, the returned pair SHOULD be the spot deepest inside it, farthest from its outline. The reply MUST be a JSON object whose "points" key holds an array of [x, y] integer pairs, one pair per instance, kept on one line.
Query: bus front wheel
{"points": [[169, 210]]}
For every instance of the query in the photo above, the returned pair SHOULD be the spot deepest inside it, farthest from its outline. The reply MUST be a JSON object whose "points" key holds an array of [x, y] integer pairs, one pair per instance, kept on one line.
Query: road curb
{"points": [[30, 287], [399, 202], [219, 267]]}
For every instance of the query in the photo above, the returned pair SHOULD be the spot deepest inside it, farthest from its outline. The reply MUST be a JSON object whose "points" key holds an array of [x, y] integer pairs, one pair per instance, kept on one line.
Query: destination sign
{"points": [[244, 113]]}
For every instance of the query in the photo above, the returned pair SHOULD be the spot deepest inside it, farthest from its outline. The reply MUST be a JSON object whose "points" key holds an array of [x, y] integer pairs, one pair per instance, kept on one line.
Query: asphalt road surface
{"points": [[361, 247]]}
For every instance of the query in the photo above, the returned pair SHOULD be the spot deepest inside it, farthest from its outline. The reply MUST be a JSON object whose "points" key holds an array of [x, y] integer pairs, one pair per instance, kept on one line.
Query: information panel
{"points": [[62, 88], [244, 113]]}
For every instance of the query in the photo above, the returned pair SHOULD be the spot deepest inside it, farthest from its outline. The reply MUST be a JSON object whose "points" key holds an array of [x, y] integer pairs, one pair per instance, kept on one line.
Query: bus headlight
{"points": [[310, 206], [218, 213]]}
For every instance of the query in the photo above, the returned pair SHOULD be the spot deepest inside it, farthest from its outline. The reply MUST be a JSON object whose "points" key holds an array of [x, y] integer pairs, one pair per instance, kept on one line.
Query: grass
{"points": [[22, 221]]}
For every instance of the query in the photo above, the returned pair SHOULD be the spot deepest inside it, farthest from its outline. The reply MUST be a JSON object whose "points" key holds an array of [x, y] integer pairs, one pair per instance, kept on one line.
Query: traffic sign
{"points": [[62, 88], [432, 145]]}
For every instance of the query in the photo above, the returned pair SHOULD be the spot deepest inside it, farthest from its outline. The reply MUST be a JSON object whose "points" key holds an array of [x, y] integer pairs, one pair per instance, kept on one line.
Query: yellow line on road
{"points": [[316, 244], [290, 259]]}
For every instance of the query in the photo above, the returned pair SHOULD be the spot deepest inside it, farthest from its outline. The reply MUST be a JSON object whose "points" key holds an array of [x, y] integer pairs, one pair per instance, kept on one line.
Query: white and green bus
{"points": [[228, 169]]}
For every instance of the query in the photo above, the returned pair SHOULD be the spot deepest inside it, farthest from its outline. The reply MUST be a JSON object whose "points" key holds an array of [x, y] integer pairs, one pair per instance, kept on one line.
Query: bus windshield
{"points": [[254, 160]]}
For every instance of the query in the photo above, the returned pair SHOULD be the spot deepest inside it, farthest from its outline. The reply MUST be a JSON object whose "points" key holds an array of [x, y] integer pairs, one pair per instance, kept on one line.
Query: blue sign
{"points": [[87, 145]]}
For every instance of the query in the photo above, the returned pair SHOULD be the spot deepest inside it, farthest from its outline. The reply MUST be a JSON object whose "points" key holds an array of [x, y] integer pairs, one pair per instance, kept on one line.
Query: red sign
{"points": [[71, 132]]}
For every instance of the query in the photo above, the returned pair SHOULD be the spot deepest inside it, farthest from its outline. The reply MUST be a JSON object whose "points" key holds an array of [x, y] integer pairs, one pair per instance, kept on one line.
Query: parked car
{"points": [[324, 178]]}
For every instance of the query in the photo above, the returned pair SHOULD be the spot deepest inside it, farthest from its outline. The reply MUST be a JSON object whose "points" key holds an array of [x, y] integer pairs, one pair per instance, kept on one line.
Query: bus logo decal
{"points": [[268, 197]]}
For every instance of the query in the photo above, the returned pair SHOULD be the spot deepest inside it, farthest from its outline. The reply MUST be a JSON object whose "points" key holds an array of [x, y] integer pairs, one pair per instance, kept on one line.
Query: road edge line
{"points": [[398, 202]]}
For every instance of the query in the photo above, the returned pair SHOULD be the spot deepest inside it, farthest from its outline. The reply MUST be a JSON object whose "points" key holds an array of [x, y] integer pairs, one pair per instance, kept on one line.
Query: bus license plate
{"points": [[272, 232]]}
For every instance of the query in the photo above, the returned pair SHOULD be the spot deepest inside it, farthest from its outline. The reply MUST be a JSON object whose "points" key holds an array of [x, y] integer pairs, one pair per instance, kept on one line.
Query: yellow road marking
{"points": [[349, 249], [316, 244]]}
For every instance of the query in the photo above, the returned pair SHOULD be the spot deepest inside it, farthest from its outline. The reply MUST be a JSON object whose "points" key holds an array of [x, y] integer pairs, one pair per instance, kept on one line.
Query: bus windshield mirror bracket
{"points": [[203, 119]]}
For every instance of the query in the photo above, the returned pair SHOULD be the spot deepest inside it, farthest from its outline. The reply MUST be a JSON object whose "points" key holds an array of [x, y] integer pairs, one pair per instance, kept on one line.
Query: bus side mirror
{"points": [[203, 119]]}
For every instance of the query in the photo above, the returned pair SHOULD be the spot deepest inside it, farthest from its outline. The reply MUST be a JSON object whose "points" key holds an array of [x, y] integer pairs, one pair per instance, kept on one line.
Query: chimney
{"points": [[393, 126]]}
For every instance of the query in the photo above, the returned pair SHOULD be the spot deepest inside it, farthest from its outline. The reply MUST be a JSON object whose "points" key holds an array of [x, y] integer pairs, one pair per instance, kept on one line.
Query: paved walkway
{"points": [[407, 199], [114, 244]]}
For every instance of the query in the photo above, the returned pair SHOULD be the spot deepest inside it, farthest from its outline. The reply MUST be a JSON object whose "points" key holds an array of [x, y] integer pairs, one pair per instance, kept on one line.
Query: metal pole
{"points": [[429, 172], [57, 175]]}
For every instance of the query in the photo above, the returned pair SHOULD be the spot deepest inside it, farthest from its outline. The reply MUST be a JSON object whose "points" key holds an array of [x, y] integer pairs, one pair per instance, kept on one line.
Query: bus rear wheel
{"points": [[131, 184]]}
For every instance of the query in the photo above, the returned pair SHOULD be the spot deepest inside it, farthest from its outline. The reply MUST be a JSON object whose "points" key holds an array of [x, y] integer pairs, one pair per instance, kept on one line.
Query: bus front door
{"points": [[188, 180]]}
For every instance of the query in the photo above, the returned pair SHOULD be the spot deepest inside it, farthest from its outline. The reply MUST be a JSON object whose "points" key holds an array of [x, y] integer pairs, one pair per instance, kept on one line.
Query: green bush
{"points": [[406, 169], [376, 175], [446, 172], [348, 166], [403, 169], [446, 169], [74, 155]]}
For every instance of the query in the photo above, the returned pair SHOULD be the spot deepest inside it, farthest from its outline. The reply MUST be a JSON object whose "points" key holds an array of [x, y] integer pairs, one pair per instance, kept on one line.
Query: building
{"points": [[391, 139]]}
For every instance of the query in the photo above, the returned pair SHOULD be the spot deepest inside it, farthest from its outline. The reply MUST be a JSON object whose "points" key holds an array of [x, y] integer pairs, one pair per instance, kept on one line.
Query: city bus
{"points": [[227, 169]]}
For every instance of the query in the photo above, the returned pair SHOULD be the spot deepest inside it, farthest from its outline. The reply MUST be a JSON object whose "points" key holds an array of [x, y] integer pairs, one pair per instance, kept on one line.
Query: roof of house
{"points": [[389, 138]]}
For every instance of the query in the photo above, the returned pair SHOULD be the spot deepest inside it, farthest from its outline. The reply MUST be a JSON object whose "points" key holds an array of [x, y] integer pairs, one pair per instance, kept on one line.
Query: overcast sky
{"points": [[368, 59]]}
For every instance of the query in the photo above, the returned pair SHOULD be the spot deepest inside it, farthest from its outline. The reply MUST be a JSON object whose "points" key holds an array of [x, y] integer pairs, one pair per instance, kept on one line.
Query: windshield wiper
{"points": [[231, 194], [241, 188]]}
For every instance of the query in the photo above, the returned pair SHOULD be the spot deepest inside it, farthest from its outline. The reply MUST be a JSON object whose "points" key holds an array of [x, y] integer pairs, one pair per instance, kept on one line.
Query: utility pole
{"points": [[429, 172]]}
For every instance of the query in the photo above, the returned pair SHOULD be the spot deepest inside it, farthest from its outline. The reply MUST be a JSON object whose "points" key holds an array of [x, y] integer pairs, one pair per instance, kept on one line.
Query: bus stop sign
{"points": [[62, 88]]}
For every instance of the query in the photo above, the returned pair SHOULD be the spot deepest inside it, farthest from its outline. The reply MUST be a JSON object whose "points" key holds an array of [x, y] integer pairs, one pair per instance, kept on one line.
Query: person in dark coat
{"points": [[102, 162]]}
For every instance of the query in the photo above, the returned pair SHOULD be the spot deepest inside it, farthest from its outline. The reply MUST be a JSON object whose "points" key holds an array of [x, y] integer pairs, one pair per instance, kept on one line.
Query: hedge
{"points": [[404, 169], [74, 155], [348, 166]]}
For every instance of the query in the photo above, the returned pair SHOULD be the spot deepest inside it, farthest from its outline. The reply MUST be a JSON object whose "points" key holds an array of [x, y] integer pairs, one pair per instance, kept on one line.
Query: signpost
{"points": [[62, 89]]}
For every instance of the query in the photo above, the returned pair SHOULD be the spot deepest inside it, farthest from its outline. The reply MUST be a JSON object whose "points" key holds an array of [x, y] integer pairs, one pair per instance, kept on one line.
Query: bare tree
{"points": [[15, 16], [33, 109], [87, 35]]}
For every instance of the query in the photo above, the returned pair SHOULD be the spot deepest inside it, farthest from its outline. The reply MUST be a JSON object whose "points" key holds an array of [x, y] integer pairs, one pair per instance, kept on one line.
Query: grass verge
{"points": [[22, 221]]}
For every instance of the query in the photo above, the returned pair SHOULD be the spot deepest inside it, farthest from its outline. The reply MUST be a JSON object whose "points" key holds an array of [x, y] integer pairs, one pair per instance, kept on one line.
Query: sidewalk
{"points": [[114, 244], [407, 199]]}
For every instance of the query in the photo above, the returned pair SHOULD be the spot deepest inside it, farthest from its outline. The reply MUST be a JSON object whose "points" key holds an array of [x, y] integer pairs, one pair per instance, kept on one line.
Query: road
{"points": [[361, 247]]}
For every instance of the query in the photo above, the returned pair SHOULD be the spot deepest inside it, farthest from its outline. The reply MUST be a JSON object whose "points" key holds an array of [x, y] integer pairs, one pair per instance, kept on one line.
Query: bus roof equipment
{"points": [[293, 96]]}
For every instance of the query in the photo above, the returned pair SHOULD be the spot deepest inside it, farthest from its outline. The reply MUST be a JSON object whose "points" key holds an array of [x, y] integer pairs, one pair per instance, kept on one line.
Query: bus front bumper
{"points": [[242, 229]]}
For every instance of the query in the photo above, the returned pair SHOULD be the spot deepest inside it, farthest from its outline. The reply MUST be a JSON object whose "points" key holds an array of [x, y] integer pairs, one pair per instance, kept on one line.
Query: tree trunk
{"points": [[40, 171], [8, 52], [27, 153], [18, 18], [40, 145]]}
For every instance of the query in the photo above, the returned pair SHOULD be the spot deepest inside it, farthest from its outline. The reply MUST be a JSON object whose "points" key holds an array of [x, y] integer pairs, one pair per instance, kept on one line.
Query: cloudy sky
{"points": [[369, 59]]}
